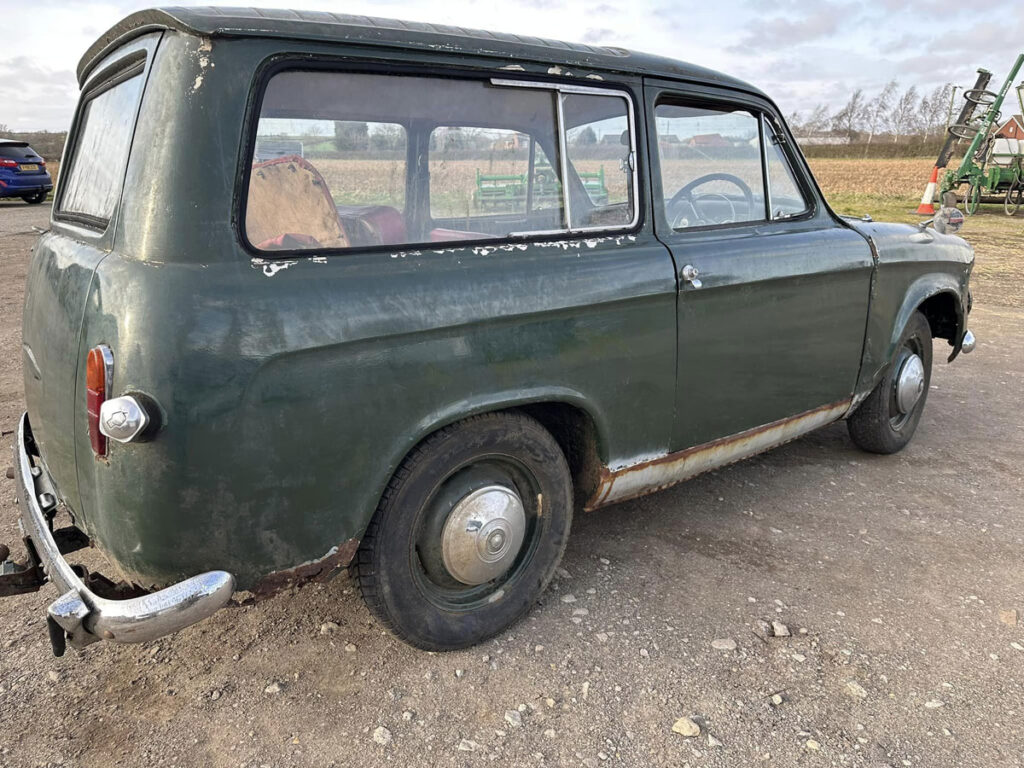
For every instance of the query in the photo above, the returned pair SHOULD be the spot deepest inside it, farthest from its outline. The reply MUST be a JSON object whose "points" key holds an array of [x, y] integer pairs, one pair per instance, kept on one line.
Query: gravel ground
{"points": [[896, 579]]}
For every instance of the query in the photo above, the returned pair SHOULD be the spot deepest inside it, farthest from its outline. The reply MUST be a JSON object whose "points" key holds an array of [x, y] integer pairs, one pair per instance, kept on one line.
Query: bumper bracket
{"points": [[80, 616]]}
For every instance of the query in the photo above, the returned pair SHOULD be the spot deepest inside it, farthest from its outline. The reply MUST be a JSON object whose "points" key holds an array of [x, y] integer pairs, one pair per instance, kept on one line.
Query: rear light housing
{"points": [[99, 371], [8, 163]]}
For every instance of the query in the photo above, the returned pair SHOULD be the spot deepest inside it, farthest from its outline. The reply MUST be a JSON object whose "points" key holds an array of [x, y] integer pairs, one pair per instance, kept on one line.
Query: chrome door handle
{"points": [[689, 274]]}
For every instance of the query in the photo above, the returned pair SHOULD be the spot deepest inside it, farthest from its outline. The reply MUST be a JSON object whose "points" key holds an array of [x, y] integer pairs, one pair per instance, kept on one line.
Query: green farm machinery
{"points": [[993, 165], [507, 192]]}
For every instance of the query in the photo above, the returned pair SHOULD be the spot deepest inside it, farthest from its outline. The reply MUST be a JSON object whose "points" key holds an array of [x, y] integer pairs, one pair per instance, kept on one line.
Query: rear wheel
{"points": [[34, 199], [468, 533], [888, 418]]}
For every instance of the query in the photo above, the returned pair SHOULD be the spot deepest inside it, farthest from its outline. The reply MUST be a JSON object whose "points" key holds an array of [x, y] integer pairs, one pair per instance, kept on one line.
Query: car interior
{"points": [[290, 203]]}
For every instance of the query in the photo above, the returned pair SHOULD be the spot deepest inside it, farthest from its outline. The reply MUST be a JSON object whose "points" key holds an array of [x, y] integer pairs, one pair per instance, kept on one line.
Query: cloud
{"points": [[598, 36], [34, 96], [824, 20]]}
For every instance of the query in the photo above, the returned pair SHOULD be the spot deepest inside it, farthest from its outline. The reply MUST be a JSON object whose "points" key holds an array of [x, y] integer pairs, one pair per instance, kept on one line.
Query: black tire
{"points": [[878, 426], [399, 566], [35, 199]]}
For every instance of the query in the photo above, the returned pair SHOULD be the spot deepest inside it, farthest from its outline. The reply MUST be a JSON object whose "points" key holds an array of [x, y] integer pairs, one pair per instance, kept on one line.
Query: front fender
{"points": [[913, 267]]}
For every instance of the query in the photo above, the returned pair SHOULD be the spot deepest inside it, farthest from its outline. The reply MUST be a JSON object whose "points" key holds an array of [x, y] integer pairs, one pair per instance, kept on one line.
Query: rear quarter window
{"points": [[92, 185]]}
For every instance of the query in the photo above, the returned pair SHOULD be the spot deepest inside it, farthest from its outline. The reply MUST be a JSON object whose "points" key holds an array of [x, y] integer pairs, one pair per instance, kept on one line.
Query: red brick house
{"points": [[1011, 129]]}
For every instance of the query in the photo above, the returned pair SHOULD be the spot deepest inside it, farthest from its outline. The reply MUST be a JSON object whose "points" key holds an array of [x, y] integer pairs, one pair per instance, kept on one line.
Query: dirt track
{"points": [[890, 573]]}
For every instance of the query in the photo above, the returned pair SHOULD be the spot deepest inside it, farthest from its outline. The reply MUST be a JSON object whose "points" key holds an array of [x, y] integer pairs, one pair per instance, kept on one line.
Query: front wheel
{"points": [[468, 532], [888, 418]]}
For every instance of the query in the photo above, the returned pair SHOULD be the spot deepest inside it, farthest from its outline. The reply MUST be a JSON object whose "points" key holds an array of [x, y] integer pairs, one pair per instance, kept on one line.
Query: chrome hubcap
{"points": [[909, 384], [483, 534]]}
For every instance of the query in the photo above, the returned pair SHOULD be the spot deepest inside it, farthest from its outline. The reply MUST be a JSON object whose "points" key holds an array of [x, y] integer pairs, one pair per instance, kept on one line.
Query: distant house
{"points": [[513, 142], [708, 140], [1012, 128], [823, 138]]}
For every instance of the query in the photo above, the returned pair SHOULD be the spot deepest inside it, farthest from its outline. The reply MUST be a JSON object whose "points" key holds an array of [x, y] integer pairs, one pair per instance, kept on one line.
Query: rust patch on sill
{"points": [[323, 569], [664, 471]]}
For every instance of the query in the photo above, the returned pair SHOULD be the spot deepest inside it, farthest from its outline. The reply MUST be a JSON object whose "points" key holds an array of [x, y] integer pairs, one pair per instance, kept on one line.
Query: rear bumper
{"points": [[16, 186], [80, 616]]}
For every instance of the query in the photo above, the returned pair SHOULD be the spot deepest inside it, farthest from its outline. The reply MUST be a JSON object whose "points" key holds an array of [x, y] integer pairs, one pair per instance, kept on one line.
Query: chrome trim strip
{"points": [[85, 616], [563, 161], [765, 138], [108, 369]]}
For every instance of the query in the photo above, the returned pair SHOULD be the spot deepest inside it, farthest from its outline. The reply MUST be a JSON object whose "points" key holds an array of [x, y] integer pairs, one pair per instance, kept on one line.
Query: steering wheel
{"points": [[684, 196]]}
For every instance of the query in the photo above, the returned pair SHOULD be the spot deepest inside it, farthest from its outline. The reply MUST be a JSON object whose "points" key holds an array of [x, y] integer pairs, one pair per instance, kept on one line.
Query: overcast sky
{"points": [[801, 52]]}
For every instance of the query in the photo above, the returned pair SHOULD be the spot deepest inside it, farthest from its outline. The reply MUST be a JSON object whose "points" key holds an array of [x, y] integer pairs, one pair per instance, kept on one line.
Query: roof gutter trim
{"points": [[129, 28]]}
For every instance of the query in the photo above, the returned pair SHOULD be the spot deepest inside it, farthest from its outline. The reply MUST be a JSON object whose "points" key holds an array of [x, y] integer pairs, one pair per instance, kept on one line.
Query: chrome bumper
{"points": [[80, 616]]}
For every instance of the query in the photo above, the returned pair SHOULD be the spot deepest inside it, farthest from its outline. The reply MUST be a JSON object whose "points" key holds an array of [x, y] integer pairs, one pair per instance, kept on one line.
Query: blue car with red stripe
{"points": [[23, 172]]}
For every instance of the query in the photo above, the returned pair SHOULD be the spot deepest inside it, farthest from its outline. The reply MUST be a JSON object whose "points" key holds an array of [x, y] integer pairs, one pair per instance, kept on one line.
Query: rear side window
{"points": [[92, 185], [346, 160]]}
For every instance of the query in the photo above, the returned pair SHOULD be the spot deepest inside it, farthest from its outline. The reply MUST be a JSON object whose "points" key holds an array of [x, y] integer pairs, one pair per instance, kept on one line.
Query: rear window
{"points": [[14, 152], [92, 185], [346, 160]]}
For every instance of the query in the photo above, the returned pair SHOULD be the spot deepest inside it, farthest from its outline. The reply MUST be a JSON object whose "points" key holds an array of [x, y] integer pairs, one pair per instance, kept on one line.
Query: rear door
{"points": [[773, 292], [65, 258]]}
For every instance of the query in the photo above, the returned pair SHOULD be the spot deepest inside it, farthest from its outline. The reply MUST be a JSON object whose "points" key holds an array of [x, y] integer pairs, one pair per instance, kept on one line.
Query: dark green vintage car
{"points": [[271, 333]]}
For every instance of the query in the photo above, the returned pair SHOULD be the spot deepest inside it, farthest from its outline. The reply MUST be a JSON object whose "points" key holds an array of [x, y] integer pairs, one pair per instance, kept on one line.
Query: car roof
{"points": [[323, 26], [13, 143]]}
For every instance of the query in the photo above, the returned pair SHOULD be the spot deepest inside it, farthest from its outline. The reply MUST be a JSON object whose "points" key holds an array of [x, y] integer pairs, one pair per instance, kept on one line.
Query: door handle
{"points": [[689, 275]]}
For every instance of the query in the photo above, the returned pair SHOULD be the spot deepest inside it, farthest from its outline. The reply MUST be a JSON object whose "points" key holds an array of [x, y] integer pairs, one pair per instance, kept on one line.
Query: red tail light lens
{"points": [[99, 366], [8, 164]]}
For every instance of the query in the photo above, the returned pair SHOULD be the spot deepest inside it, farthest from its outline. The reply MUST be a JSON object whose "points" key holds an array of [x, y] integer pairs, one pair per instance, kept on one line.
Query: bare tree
{"points": [[901, 117], [818, 120], [877, 110], [848, 119], [931, 113]]}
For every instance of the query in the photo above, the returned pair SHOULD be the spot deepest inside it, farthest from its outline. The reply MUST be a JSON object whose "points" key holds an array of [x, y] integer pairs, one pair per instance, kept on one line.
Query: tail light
{"points": [[99, 369], [8, 163]]}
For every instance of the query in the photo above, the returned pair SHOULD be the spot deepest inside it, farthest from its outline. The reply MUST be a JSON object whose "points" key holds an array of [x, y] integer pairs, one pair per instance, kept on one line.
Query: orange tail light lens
{"points": [[99, 366]]}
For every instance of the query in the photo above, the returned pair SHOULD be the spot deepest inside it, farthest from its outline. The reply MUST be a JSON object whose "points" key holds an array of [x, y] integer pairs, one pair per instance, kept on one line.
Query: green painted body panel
{"points": [[911, 269], [290, 391], [776, 328]]}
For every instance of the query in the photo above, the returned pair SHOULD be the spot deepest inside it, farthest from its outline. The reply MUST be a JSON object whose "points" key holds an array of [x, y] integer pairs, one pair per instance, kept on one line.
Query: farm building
{"points": [[708, 140], [1012, 128]]}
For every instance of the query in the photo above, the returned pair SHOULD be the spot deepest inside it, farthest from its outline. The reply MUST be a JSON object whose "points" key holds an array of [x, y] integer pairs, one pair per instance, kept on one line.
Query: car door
{"points": [[773, 290]]}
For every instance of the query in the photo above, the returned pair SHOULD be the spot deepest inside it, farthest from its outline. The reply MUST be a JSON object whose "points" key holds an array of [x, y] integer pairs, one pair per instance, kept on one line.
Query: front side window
{"points": [[711, 165], [787, 200], [92, 185], [346, 160]]}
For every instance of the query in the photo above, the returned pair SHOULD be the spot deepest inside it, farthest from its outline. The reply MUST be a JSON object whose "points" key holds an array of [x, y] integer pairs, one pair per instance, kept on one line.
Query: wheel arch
{"points": [[937, 297], [576, 423]]}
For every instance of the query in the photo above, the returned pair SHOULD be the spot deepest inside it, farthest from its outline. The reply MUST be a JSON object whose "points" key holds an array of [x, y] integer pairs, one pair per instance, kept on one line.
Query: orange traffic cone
{"points": [[926, 208]]}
